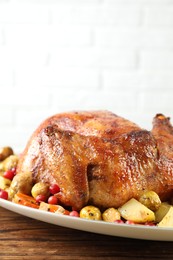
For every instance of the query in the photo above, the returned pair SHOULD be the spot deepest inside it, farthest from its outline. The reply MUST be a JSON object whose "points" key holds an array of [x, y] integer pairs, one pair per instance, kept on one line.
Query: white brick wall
{"points": [[61, 55]]}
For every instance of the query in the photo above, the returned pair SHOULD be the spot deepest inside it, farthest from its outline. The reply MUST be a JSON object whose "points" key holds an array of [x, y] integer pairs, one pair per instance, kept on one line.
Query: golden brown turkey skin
{"points": [[97, 157]]}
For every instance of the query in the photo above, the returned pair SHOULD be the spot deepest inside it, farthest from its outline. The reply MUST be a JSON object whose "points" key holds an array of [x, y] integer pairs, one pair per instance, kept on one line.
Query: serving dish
{"points": [[100, 227]]}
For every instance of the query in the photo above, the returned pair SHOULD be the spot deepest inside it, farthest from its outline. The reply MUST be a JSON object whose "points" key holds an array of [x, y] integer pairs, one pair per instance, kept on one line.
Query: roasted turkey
{"points": [[98, 158]]}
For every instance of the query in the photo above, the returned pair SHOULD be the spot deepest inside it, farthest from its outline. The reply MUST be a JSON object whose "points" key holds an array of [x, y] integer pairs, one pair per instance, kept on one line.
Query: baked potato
{"points": [[111, 215], [21, 183], [4, 183], [40, 188], [5, 152], [135, 211], [91, 213], [151, 200], [9, 163]]}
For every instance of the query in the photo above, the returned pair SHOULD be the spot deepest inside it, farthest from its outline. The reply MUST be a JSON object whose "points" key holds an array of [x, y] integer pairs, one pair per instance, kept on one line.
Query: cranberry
{"points": [[3, 194], [9, 174], [74, 213], [52, 200], [119, 221], [40, 198], [130, 222], [54, 188], [150, 224]]}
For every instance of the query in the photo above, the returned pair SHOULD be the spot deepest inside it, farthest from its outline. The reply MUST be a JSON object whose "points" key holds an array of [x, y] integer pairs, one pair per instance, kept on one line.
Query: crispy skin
{"points": [[163, 133], [97, 157]]}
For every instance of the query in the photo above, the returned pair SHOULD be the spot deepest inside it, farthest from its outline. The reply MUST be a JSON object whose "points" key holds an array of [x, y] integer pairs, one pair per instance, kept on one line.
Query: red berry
{"points": [[52, 200], [74, 213], [130, 222], [40, 198], [119, 221], [54, 188], [150, 224], [3, 194], [9, 174]]}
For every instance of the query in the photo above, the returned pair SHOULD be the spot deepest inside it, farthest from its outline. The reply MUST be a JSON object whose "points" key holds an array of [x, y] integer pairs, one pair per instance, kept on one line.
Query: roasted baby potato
{"points": [[162, 211], [40, 188], [4, 183], [135, 211], [111, 214], [22, 182], [5, 152], [9, 163], [91, 213], [151, 200]]}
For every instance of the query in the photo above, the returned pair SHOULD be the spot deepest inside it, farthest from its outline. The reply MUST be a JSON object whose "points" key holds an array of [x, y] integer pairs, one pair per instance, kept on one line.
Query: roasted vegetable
{"points": [[62, 211], [5, 152], [4, 183], [111, 214], [151, 200], [167, 221], [25, 200], [91, 213], [162, 211], [1, 172], [135, 211], [9, 163], [48, 207], [40, 188], [21, 183], [53, 208]]}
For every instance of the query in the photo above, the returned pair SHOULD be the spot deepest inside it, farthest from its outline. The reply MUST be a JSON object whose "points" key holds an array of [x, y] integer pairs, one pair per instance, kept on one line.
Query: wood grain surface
{"points": [[26, 238]]}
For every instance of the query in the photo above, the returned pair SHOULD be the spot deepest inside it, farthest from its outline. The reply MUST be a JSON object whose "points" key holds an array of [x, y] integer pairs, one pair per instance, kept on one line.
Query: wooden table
{"points": [[25, 238]]}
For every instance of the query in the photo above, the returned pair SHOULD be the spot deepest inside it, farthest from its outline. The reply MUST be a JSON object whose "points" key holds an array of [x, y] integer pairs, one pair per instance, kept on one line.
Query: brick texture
{"points": [[63, 55]]}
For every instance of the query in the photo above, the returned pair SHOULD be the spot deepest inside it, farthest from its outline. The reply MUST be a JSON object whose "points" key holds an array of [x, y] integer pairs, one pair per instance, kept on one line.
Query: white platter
{"points": [[100, 227]]}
